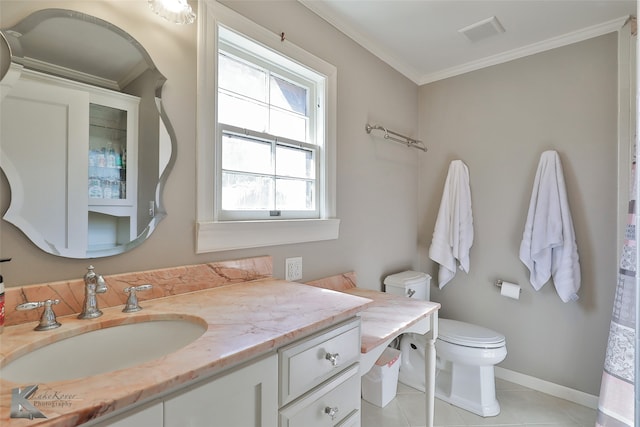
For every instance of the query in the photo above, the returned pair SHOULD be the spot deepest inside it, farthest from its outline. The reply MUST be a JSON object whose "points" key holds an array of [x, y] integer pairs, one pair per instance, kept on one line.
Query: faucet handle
{"points": [[132, 302], [48, 319], [101, 284]]}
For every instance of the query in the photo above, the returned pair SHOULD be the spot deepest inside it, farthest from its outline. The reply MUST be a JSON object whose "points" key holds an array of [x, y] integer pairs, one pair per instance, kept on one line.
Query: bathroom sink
{"points": [[102, 350]]}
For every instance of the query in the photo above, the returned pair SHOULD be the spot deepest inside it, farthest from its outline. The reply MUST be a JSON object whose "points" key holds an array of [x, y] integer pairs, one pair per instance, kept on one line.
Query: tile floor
{"points": [[520, 406]]}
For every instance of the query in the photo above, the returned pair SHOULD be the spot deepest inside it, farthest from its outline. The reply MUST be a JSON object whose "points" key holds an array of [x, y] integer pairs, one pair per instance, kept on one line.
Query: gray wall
{"points": [[498, 121], [377, 181]]}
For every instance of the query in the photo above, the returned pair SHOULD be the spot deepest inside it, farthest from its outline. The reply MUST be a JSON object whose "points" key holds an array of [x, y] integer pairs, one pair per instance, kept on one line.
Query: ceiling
{"points": [[421, 38]]}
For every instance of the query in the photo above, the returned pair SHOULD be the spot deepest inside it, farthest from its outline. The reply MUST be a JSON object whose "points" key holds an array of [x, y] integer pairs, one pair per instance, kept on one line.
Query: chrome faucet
{"points": [[93, 284]]}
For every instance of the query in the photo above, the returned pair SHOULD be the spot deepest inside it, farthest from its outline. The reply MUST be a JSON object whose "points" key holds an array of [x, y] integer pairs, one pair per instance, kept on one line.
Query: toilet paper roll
{"points": [[510, 290]]}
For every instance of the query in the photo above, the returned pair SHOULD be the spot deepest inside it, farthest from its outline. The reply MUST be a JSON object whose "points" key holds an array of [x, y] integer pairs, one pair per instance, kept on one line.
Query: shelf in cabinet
{"points": [[121, 210], [110, 202]]}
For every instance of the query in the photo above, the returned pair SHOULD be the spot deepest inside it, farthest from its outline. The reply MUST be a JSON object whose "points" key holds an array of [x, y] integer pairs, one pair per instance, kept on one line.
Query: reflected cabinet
{"points": [[82, 182], [111, 177]]}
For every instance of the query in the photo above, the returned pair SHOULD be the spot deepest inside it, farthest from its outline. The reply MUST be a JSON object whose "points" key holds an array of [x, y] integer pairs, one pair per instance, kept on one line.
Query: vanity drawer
{"points": [[335, 403], [311, 361]]}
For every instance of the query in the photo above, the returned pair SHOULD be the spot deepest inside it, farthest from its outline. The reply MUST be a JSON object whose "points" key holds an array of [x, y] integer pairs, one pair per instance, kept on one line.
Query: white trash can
{"points": [[380, 384]]}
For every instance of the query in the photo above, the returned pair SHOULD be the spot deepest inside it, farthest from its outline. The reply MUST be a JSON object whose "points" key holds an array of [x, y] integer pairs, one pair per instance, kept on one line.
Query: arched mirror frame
{"points": [[21, 58]]}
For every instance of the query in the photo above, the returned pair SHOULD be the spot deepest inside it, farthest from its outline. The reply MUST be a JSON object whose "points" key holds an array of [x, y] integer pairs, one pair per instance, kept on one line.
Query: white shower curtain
{"points": [[616, 403]]}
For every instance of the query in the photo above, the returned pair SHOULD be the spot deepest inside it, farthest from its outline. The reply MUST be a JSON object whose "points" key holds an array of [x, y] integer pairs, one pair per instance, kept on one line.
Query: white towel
{"points": [[548, 247], [453, 233]]}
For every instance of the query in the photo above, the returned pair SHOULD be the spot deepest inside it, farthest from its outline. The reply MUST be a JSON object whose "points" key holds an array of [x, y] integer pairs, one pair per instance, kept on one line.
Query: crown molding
{"points": [[414, 75], [552, 43]]}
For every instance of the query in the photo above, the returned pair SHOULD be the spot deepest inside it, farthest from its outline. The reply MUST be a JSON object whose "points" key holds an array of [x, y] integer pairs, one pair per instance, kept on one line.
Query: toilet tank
{"points": [[413, 284]]}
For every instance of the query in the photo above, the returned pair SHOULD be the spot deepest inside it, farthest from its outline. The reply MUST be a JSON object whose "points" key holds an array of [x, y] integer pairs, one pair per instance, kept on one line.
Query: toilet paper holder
{"points": [[498, 283]]}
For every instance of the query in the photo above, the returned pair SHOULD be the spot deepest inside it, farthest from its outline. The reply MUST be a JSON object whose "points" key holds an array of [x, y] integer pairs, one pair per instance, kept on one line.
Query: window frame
{"points": [[212, 234]]}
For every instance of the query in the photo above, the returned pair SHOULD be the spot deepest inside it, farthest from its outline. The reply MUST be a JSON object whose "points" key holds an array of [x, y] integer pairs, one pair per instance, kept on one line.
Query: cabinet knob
{"points": [[334, 358], [332, 412]]}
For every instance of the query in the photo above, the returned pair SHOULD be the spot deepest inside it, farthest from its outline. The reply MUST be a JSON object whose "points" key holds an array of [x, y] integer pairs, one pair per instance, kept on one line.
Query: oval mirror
{"points": [[84, 143]]}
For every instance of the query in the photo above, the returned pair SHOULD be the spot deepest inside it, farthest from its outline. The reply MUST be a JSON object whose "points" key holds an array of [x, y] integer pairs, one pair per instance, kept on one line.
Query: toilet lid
{"points": [[466, 334]]}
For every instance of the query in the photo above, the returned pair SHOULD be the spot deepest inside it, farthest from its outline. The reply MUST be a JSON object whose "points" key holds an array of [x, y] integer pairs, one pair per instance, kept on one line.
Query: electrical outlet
{"points": [[293, 269]]}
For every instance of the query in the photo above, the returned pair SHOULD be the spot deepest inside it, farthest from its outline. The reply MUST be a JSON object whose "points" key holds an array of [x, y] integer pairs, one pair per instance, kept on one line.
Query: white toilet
{"points": [[466, 354]]}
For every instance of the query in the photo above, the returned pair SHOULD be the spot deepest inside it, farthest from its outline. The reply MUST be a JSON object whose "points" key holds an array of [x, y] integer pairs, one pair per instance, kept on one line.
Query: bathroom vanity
{"points": [[241, 348], [259, 394], [249, 367]]}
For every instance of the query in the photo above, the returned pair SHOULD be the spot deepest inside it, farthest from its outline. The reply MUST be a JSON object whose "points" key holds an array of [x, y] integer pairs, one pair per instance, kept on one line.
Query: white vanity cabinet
{"points": [[319, 379], [246, 397], [63, 213], [313, 382]]}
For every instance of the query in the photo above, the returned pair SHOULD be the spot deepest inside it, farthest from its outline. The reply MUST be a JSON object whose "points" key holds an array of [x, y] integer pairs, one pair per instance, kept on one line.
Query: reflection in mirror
{"points": [[84, 144]]}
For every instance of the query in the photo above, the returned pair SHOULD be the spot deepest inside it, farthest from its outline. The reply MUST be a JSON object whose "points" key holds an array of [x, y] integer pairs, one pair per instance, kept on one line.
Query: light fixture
{"points": [[176, 11]]}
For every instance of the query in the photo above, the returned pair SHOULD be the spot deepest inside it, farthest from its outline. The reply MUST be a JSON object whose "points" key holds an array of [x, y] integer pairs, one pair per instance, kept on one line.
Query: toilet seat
{"points": [[468, 335]]}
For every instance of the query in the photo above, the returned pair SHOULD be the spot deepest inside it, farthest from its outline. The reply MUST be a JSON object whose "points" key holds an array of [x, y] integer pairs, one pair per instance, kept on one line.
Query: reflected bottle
{"points": [[101, 158], [95, 190], [111, 156], [118, 160], [106, 188], [115, 188]]}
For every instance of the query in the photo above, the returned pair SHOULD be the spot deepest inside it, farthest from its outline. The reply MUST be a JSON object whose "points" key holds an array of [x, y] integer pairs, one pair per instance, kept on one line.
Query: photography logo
{"points": [[26, 403], [21, 407]]}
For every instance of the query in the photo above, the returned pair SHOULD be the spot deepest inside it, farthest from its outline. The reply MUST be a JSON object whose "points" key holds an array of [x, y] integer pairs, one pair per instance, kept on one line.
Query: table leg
{"points": [[430, 369]]}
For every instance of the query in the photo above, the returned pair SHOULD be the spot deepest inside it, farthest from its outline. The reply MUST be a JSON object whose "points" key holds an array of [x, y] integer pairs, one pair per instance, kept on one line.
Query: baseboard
{"points": [[547, 387]]}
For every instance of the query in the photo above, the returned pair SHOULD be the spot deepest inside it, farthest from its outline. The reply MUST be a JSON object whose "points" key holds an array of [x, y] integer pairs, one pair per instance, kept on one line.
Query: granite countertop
{"points": [[244, 320]]}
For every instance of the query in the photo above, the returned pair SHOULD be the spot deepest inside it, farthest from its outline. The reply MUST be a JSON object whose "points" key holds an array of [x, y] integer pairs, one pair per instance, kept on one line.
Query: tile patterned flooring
{"points": [[520, 406]]}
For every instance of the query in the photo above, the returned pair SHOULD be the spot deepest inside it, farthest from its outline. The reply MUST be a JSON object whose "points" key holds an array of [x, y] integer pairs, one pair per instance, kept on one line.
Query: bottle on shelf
{"points": [[111, 156], [93, 155], [95, 188], [115, 188], [101, 158], [106, 189], [118, 160]]}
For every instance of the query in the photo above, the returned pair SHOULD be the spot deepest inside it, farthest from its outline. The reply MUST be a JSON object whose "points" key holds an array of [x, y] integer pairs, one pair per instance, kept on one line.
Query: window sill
{"points": [[225, 236]]}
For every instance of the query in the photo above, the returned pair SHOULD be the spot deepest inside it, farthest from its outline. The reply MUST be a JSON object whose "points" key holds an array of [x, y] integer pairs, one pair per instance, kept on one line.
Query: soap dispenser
{"points": [[2, 297]]}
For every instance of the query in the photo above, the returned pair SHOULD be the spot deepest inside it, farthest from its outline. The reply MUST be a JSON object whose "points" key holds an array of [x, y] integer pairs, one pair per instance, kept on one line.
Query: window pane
{"points": [[242, 113], [241, 78], [288, 125], [288, 96], [243, 192], [246, 155], [295, 162], [294, 194]]}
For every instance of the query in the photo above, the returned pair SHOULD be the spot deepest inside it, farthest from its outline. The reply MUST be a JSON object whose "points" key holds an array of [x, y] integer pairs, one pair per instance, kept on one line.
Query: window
{"points": [[270, 115], [266, 162]]}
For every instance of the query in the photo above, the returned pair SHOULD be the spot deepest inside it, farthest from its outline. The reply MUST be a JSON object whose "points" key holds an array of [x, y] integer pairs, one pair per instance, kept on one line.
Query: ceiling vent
{"points": [[482, 29]]}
